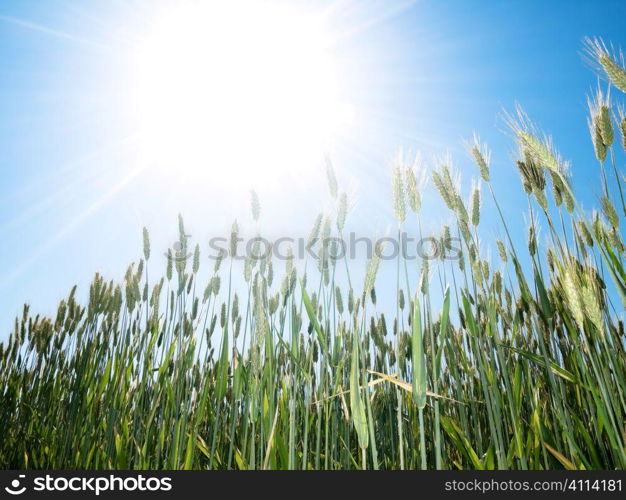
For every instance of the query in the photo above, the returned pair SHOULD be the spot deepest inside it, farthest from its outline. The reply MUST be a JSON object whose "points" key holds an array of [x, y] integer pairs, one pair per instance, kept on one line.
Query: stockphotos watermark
{"points": [[89, 485], [323, 248]]}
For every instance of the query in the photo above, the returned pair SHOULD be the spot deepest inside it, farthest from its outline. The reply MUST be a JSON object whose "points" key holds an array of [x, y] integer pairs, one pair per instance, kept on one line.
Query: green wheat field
{"points": [[517, 362]]}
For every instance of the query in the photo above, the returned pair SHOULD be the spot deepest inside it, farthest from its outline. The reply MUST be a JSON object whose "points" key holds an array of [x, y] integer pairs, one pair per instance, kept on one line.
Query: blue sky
{"points": [[420, 75]]}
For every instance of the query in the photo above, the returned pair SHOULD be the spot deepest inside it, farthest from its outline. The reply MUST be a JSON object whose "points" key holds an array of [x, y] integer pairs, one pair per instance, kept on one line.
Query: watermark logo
{"points": [[15, 489], [178, 252], [94, 485], [335, 249]]}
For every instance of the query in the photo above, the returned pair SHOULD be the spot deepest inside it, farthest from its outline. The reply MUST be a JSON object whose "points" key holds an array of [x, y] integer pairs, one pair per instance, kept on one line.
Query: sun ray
{"points": [[49, 31], [70, 178], [71, 226], [237, 107]]}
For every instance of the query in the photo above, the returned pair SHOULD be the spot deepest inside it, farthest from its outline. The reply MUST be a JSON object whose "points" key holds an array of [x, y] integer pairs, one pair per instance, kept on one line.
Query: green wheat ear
{"points": [[600, 123], [342, 211], [622, 124], [372, 269], [330, 176], [399, 201], [255, 205], [482, 157], [412, 191], [146, 244], [612, 64], [475, 205]]}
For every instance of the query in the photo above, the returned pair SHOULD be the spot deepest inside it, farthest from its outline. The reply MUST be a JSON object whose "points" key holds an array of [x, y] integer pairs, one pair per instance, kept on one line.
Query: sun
{"points": [[237, 90]]}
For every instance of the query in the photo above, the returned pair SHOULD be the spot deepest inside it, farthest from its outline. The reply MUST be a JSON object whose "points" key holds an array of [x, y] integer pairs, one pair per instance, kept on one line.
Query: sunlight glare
{"points": [[236, 91]]}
